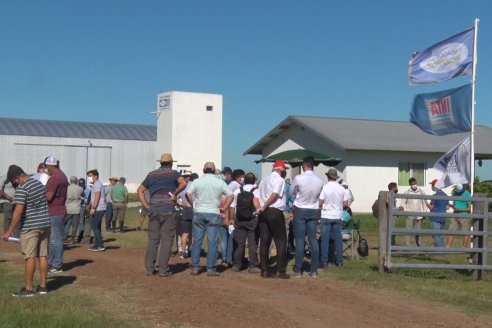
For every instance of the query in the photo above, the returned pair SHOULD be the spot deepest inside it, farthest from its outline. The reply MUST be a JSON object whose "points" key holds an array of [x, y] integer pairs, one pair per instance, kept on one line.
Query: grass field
{"points": [[452, 288], [73, 307]]}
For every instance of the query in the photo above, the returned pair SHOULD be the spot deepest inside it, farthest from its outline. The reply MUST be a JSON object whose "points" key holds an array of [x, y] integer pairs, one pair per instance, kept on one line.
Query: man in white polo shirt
{"points": [[332, 201], [271, 221], [307, 188]]}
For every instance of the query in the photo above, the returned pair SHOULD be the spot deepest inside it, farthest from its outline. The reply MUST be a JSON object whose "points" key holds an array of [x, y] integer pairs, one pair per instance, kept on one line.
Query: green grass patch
{"points": [[452, 288], [76, 307], [68, 307]]}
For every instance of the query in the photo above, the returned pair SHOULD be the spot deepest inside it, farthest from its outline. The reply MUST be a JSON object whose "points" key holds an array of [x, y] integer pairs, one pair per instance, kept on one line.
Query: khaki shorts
{"points": [[454, 224], [34, 243]]}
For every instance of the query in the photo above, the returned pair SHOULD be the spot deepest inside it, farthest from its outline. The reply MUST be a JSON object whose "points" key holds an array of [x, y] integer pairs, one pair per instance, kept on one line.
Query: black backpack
{"points": [[244, 205], [363, 248]]}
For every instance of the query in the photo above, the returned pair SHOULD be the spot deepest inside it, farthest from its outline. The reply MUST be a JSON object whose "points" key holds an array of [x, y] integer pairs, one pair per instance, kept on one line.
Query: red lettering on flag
{"points": [[441, 106]]}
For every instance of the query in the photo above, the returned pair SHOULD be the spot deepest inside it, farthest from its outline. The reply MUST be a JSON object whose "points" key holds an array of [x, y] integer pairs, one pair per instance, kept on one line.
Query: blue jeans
{"points": [[438, 239], [226, 244], [96, 227], [331, 229], [109, 215], [55, 251], [210, 223], [305, 222], [81, 222]]}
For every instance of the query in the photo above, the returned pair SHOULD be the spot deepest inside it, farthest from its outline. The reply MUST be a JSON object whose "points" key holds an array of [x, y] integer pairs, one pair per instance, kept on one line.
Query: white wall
{"points": [[188, 131], [129, 158], [367, 172]]}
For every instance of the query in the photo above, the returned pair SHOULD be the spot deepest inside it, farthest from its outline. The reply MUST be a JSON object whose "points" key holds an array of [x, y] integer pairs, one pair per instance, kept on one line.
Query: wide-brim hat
{"points": [[332, 174], [166, 158]]}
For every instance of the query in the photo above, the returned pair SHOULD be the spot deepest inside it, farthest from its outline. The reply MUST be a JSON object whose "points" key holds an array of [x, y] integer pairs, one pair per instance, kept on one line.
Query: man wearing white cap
{"points": [[56, 195]]}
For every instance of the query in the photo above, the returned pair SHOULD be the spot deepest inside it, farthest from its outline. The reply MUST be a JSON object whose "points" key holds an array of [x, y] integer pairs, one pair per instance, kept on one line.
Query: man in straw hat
{"points": [[164, 184]]}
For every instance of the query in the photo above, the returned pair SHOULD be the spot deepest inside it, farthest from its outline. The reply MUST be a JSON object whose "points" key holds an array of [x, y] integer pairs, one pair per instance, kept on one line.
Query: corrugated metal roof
{"points": [[360, 134], [68, 129]]}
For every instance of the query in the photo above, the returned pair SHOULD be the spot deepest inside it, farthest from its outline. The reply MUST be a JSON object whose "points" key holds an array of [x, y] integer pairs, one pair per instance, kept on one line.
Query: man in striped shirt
{"points": [[31, 210], [163, 184]]}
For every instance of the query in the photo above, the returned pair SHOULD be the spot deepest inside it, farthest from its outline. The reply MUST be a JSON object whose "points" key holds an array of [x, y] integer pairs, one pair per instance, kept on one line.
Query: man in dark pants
{"points": [[272, 222], [164, 184], [6, 197], [245, 229]]}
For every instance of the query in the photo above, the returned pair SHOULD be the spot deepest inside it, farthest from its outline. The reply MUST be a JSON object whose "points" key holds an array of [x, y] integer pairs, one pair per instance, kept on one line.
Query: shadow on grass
{"points": [[70, 265], [57, 282], [108, 240], [112, 247]]}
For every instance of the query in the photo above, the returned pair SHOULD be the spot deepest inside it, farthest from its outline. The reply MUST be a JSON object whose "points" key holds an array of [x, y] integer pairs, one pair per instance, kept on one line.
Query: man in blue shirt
{"points": [[438, 206]]}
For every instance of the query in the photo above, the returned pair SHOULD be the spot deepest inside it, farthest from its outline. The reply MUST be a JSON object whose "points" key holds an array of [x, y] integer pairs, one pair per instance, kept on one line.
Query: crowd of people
{"points": [[302, 218], [40, 209], [414, 222], [234, 207]]}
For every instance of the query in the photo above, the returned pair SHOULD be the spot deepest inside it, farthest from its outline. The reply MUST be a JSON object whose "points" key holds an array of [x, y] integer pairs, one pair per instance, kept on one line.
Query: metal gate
{"points": [[392, 255]]}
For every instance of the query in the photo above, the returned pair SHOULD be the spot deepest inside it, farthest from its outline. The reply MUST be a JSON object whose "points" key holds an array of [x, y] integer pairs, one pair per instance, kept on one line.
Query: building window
{"points": [[210, 108], [407, 170]]}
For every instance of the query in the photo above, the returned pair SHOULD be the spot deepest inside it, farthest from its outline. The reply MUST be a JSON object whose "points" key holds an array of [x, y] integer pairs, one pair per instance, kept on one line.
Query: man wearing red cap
{"points": [[271, 221]]}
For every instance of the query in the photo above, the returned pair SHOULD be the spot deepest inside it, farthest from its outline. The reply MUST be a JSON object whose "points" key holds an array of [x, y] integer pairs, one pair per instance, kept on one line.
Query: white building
{"points": [[373, 153], [189, 126], [122, 150]]}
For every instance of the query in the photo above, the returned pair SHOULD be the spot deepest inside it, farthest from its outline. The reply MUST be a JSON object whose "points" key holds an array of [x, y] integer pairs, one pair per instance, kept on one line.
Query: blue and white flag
{"points": [[443, 61], [455, 165], [443, 112]]}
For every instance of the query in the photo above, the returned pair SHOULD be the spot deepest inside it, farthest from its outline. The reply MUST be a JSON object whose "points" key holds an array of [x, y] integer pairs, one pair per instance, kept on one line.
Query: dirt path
{"points": [[246, 300]]}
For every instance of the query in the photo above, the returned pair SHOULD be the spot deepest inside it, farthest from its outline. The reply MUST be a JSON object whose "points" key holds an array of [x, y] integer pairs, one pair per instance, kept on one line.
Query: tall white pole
{"points": [[472, 133]]}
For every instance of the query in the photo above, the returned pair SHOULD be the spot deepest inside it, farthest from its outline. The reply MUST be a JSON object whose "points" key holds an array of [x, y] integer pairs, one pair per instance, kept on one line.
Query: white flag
{"points": [[455, 165]]}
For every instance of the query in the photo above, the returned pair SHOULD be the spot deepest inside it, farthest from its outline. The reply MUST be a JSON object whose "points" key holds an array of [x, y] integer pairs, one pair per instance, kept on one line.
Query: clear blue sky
{"points": [[106, 61]]}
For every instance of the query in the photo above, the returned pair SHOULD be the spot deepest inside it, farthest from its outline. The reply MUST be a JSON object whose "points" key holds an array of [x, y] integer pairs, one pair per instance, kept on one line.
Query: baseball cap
{"points": [[280, 163], [433, 182], [226, 169], [209, 165], [51, 160], [113, 179]]}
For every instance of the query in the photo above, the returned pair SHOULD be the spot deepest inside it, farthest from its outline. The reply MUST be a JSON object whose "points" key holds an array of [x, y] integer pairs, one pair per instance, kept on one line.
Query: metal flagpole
{"points": [[472, 133]]}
